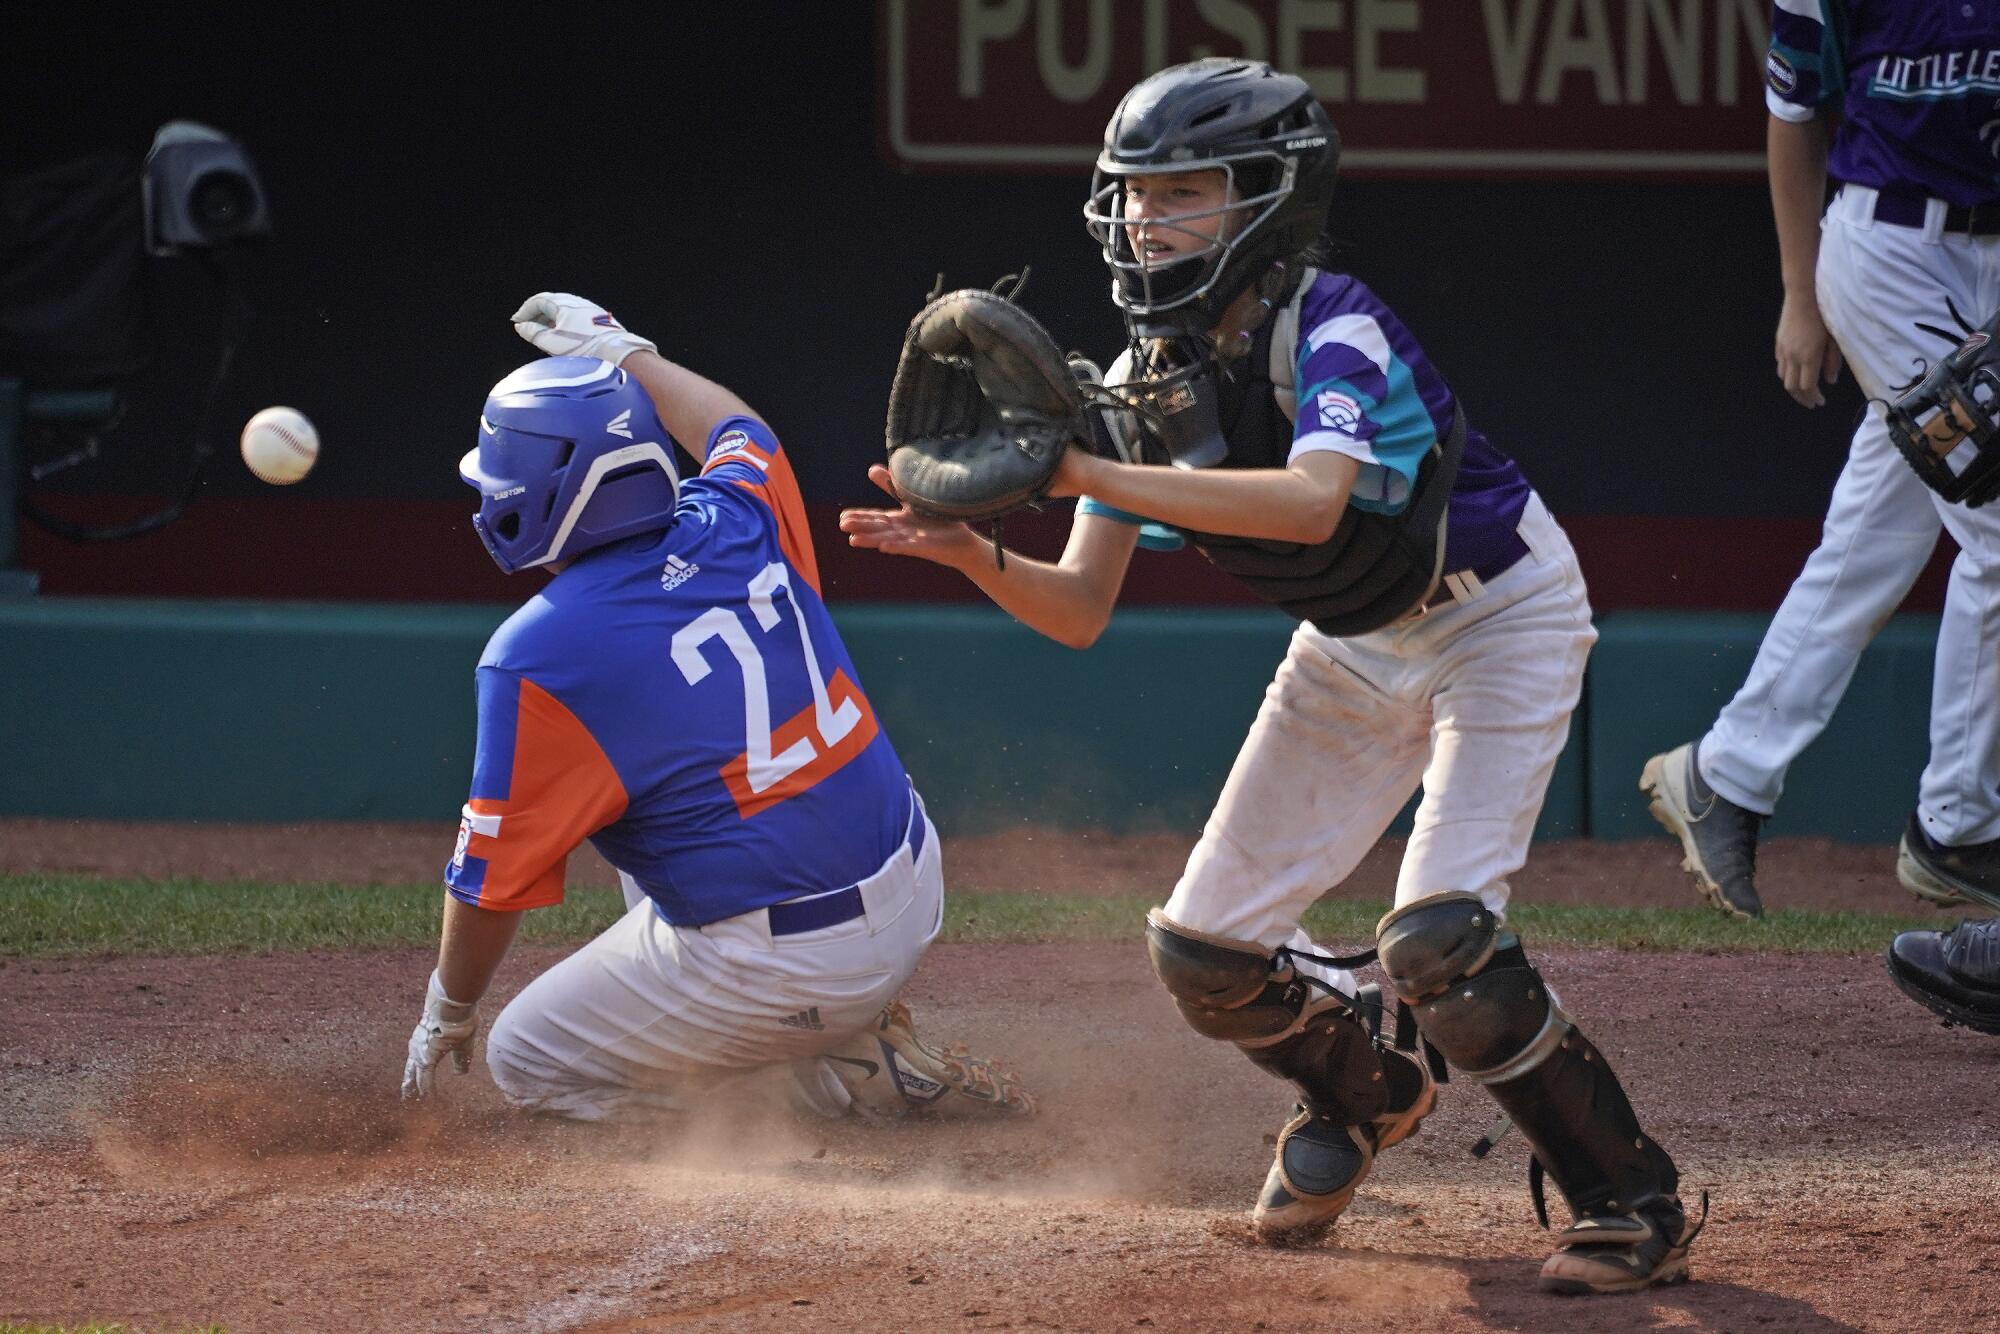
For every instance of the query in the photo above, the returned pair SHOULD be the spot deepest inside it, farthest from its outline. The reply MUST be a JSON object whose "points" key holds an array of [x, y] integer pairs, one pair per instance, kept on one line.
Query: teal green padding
{"points": [[1659, 678], [165, 710], [1000, 726], [160, 710]]}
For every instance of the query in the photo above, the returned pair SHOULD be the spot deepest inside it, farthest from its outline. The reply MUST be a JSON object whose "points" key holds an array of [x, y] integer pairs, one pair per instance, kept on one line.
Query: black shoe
{"points": [[1954, 974], [1319, 1163], [1313, 1175], [1622, 1252], [1948, 875], [1718, 836]]}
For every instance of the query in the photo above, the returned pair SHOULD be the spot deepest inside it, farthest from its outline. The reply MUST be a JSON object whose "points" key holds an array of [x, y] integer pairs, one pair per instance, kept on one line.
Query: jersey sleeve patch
{"points": [[541, 785], [1803, 68], [1358, 398], [742, 450], [1152, 536]]}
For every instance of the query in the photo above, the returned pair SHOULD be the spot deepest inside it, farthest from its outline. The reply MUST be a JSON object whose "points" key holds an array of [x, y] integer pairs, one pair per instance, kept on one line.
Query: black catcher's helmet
{"points": [[1264, 129]]}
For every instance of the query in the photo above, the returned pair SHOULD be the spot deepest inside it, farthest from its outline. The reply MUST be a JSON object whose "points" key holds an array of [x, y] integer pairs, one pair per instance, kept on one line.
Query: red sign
{"points": [[1416, 87]]}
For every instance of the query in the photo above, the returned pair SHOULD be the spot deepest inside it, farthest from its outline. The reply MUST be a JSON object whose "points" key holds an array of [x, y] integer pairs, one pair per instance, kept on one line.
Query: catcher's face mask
{"points": [[1168, 237], [1948, 426]]}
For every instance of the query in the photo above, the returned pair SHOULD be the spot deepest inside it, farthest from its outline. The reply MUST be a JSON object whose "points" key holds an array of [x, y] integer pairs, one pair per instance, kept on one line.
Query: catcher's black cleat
{"points": [[1718, 836], [1622, 1252], [1948, 875], [1320, 1163], [1954, 974]]}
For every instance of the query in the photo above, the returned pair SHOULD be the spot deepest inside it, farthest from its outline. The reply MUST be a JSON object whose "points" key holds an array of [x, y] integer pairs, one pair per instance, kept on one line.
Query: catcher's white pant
{"points": [[649, 1015], [1877, 283], [1472, 699]]}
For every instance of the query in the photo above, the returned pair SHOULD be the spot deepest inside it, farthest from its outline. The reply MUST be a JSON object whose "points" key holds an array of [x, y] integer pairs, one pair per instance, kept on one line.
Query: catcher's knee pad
{"points": [[1480, 1002], [1235, 990], [1241, 992], [1472, 989]]}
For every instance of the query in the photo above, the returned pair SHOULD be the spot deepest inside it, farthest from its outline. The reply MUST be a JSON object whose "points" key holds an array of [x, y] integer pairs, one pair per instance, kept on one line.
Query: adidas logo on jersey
{"points": [[676, 572], [807, 1019]]}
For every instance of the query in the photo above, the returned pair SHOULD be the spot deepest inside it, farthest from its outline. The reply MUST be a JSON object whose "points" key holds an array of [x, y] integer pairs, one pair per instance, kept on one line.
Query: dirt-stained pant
{"points": [[1471, 699], [1884, 290], [650, 1015]]}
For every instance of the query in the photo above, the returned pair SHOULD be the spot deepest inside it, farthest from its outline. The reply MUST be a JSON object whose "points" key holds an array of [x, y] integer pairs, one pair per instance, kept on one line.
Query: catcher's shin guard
{"points": [[1480, 1002], [1355, 1098]]}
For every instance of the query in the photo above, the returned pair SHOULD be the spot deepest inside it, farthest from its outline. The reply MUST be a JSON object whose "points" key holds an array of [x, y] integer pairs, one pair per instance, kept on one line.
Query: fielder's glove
{"points": [[447, 1026], [1958, 400], [569, 326], [981, 410]]}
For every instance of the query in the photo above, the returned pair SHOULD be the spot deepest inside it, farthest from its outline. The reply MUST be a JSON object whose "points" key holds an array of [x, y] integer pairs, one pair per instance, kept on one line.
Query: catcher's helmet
{"points": [[571, 455], [1264, 129]]}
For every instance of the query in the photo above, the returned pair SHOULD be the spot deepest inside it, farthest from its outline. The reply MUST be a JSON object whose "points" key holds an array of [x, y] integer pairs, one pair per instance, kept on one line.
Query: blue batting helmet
{"points": [[571, 455]]}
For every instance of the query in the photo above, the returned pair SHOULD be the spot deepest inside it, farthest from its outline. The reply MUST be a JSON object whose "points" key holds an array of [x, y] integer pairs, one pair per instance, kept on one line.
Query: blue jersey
{"points": [[1365, 389], [683, 700], [1916, 84]]}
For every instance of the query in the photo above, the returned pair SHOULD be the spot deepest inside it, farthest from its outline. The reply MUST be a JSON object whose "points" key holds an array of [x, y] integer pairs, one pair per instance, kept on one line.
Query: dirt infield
{"points": [[187, 1140]]}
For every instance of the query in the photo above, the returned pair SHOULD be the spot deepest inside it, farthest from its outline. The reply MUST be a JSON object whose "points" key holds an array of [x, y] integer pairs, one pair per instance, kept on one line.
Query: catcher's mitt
{"points": [[981, 410], [1958, 400]]}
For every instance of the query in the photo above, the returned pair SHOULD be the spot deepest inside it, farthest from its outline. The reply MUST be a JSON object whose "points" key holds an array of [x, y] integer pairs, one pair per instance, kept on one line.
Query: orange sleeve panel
{"points": [[772, 481], [513, 851]]}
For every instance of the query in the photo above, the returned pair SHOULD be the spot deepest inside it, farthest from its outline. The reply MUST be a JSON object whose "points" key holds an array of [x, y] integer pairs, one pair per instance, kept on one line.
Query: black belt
{"points": [[796, 916], [1492, 567], [1907, 210]]}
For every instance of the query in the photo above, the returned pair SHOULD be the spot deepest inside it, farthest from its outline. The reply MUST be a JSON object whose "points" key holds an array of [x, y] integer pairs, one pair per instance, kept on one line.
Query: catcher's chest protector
{"points": [[1375, 568]]}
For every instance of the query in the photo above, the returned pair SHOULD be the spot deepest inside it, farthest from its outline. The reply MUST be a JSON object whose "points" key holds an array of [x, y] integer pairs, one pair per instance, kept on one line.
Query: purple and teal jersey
{"points": [[1916, 84], [683, 700], [1365, 389]]}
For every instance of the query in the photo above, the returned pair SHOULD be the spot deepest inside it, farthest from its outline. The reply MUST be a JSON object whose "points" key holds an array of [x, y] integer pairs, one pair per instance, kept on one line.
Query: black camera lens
{"points": [[220, 202]]}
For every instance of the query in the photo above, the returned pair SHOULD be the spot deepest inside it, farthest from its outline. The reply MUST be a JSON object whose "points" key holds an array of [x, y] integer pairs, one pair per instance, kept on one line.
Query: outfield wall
{"points": [[260, 711]]}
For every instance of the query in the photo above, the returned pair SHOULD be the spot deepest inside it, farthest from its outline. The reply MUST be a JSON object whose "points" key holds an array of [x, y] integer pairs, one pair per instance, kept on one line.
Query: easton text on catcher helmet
{"points": [[1271, 137], [571, 455]]}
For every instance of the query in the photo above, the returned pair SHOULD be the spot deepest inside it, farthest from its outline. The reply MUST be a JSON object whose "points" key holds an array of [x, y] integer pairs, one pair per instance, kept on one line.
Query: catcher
{"points": [[1284, 420], [677, 694]]}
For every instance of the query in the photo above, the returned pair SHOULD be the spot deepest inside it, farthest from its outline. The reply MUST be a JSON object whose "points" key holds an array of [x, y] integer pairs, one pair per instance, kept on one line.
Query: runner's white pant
{"points": [[649, 1015], [1472, 699], [1877, 284]]}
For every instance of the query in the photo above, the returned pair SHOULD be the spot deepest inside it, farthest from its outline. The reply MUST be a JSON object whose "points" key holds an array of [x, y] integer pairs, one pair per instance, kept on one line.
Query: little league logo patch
{"points": [[1778, 72], [728, 443], [1338, 412]]}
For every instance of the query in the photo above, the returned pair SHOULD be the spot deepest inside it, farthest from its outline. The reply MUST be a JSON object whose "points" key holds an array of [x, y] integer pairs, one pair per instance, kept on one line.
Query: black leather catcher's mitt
{"points": [[1958, 400], [981, 410]]}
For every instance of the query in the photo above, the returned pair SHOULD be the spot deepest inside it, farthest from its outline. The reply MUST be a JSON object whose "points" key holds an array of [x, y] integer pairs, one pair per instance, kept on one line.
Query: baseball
{"points": [[280, 445]]}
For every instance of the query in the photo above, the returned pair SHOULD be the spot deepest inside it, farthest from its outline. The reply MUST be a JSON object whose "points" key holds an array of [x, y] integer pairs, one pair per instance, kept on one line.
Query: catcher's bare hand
{"points": [[904, 532], [1806, 353]]}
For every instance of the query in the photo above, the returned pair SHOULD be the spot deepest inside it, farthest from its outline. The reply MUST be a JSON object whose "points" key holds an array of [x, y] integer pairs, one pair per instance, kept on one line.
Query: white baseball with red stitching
{"points": [[280, 445]]}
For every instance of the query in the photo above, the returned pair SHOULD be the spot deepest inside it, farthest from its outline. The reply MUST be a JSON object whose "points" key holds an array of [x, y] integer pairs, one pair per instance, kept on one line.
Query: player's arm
{"points": [[1806, 353], [691, 406], [1069, 600], [1301, 502]]}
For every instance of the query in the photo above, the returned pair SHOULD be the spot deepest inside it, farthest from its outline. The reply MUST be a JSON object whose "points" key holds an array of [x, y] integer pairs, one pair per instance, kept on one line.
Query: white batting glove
{"points": [[569, 326], [447, 1026]]}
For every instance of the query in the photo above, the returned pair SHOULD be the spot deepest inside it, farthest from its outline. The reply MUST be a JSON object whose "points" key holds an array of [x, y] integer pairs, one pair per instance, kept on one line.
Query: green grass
{"points": [[86, 915]]}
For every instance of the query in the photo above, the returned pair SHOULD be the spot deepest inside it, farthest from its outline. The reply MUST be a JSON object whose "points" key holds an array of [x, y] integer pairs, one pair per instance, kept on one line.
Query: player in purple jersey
{"points": [[678, 695], [1315, 452], [1898, 103]]}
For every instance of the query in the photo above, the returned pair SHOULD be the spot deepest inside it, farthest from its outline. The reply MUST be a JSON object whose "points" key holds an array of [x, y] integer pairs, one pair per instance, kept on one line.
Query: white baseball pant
{"points": [[1877, 283], [1470, 698], [650, 1015]]}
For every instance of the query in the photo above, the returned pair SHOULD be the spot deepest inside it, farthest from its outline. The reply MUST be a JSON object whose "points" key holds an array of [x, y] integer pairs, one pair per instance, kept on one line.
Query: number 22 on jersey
{"points": [[783, 761]]}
